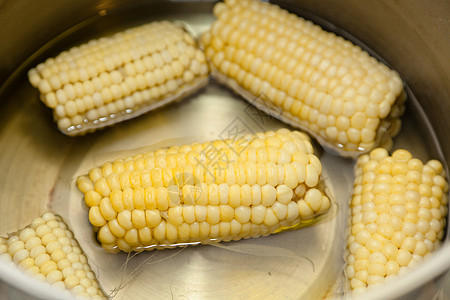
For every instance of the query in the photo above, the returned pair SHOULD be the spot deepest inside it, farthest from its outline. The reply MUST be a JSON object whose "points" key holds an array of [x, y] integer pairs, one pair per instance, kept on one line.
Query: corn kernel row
{"points": [[304, 75], [174, 196], [47, 251], [397, 216], [113, 78]]}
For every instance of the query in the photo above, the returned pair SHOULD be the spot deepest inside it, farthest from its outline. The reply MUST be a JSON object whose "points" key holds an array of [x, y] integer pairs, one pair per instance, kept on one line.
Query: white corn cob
{"points": [[397, 216], [115, 78], [47, 250], [305, 76], [263, 184]]}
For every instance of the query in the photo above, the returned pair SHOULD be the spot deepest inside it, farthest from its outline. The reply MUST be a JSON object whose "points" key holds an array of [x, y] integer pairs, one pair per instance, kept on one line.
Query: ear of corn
{"points": [[47, 250], [115, 78], [258, 185], [397, 216], [305, 76]]}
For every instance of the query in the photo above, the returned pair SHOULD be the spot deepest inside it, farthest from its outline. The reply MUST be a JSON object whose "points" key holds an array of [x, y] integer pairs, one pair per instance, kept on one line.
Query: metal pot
{"points": [[39, 163]]}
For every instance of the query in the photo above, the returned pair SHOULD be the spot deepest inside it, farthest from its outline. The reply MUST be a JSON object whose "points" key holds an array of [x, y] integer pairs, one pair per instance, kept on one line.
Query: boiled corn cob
{"points": [[305, 76], [261, 184], [398, 215], [115, 78], [47, 250]]}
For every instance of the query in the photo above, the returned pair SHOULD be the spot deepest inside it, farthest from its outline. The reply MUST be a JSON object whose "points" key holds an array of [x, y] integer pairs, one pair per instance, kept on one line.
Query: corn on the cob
{"points": [[115, 78], [305, 76], [397, 216], [47, 250], [262, 184]]}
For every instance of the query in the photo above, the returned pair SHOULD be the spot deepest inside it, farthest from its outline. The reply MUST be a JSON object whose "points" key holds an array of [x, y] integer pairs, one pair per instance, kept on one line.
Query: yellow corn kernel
{"points": [[305, 76], [251, 188], [118, 77], [56, 263], [393, 231]]}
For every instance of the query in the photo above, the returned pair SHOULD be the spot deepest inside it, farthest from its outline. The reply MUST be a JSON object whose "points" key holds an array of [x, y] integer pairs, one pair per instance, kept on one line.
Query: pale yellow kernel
{"points": [[42, 230], [105, 235], [174, 195], [258, 213], [188, 214], [397, 238], [26, 234], [194, 231], [284, 194], [223, 193], [290, 176], [234, 197], [138, 218], [314, 199], [361, 264], [392, 268], [409, 229], [190, 195], [124, 219], [363, 236], [271, 173], [162, 198], [243, 214], [374, 245], [200, 213], [283, 157], [375, 280], [21, 255], [268, 195], [361, 275], [421, 249], [204, 229], [270, 218], [152, 217], [362, 253], [95, 216], [64, 264], [213, 194], [312, 176], [377, 269], [304, 209], [226, 213], [280, 210], [326, 204], [159, 232], [212, 214], [131, 237], [32, 242], [54, 276], [175, 215], [292, 211], [403, 257], [436, 165], [409, 244], [47, 266], [251, 172], [36, 251], [71, 281], [300, 169], [251, 195]]}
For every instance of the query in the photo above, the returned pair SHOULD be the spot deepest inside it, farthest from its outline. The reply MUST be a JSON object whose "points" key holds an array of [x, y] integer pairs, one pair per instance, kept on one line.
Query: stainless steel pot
{"points": [[38, 163]]}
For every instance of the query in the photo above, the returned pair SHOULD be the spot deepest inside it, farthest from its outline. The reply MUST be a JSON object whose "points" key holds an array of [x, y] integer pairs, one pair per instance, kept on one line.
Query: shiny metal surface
{"points": [[203, 271], [40, 165]]}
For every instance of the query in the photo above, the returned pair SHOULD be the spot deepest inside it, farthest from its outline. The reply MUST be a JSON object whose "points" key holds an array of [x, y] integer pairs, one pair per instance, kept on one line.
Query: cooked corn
{"points": [[305, 76], [47, 250], [256, 185], [115, 78], [398, 211]]}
